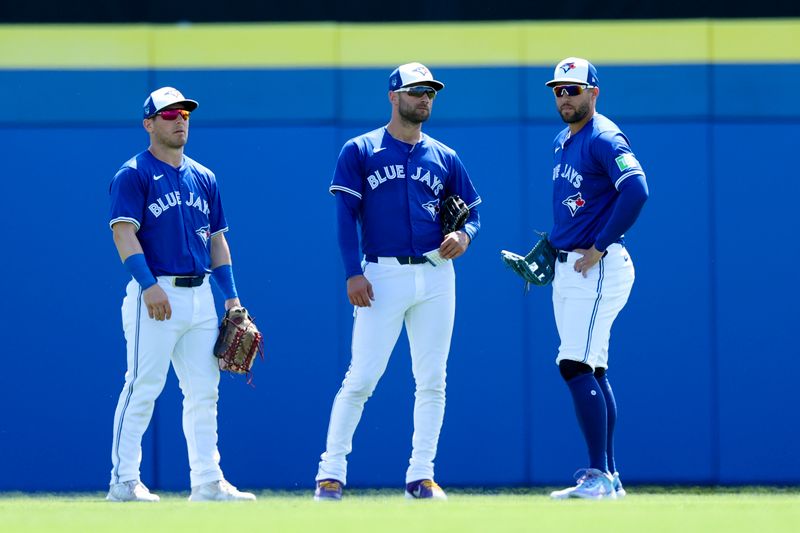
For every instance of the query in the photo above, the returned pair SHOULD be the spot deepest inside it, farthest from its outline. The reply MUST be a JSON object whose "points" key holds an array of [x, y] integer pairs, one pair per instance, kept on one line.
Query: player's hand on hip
{"points": [[232, 302], [157, 303], [359, 291], [454, 244], [589, 259]]}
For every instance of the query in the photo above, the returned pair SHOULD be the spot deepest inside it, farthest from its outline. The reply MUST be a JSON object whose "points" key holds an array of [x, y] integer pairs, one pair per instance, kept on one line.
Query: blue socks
{"points": [[590, 407], [611, 415]]}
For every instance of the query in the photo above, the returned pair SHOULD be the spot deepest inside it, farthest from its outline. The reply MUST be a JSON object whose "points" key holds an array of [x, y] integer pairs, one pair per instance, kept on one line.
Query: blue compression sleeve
{"points": [[347, 232], [138, 268], [473, 224], [223, 276], [633, 194]]}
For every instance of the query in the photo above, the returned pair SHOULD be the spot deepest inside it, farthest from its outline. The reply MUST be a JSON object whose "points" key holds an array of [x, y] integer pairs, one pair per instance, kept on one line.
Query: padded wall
{"points": [[700, 357]]}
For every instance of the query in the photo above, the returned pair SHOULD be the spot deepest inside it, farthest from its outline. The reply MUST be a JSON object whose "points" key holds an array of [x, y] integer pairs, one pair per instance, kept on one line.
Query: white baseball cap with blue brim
{"points": [[574, 70], [165, 97], [412, 74]]}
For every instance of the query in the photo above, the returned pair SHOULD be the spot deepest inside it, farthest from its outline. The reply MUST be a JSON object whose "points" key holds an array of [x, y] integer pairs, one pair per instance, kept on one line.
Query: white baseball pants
{"points": [[422, 297], [585, 308], [187, 340]]}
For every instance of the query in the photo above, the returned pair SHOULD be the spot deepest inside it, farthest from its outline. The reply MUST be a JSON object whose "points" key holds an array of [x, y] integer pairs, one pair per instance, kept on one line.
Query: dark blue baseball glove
{"points": [[538, 266]]}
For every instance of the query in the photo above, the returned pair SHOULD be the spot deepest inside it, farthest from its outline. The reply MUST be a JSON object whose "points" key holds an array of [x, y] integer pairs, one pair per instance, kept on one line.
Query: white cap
{"points": [[165, 97], [413, 74], [574, 70]]}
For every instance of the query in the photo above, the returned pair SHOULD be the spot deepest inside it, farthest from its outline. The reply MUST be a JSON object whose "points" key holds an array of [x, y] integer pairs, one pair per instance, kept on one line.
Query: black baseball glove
{"points": [[454, 213], [538, 266]]}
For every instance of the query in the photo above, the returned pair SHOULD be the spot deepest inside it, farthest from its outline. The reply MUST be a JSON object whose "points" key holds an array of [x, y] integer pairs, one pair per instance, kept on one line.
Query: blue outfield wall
{"points": [[700, 356]]}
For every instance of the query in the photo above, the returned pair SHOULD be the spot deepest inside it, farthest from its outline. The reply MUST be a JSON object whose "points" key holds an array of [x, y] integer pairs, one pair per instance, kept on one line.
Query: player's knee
{"points": [[571, 369], [434, 381], [359, 388]]}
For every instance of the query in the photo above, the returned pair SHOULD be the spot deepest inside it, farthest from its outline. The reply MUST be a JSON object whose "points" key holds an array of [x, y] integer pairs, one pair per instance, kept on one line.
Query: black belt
{"points": [[189, 281], [402, 259], [562, 256]]}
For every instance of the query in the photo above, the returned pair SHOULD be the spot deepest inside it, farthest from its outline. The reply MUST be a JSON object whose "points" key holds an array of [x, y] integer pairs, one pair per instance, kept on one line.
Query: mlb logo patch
{"points": [[626, 161]]}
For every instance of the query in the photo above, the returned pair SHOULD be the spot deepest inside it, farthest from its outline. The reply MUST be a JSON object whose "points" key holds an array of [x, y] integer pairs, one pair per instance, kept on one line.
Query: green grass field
{"points": [[761, 510]]}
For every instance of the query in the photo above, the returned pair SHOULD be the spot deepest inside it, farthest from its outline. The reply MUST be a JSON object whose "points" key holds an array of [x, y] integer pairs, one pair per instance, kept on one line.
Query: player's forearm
{"points": [[130, 252], [632, 196], [221, 269], [220, 251], [126, 241], [473, 224], [347, 235]]}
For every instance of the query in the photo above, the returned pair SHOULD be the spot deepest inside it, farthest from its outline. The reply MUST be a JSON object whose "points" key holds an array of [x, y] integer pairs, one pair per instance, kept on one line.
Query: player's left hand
{"points": [[232, 302], [454, 244], [589, 259]]}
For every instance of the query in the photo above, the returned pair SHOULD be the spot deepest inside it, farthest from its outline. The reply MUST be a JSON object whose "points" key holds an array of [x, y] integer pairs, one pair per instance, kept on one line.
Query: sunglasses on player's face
{"points": [[419, 91], [172, 114], [570, 90]]}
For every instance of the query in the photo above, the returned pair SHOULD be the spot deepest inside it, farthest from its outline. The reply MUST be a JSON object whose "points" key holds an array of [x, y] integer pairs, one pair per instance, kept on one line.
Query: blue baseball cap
{"points": [[574, 70], [412, 74], [165, 97]]}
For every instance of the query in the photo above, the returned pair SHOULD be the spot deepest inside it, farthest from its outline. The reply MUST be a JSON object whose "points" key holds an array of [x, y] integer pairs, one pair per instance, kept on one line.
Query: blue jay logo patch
{"points": [[422, 70], [566, 67], [574, 203], [432, 208], [204, 233]]}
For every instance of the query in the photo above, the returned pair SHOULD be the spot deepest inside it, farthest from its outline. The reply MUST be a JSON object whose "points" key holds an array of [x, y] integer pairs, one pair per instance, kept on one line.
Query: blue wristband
{"points": [[138, 268], [223, 275]]}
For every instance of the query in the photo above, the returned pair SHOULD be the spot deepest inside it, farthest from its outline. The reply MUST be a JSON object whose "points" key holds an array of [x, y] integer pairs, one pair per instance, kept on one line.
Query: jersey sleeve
{"points": [[348, 176], [216, 214], [128, 198], [616, 156], [459, 183]]}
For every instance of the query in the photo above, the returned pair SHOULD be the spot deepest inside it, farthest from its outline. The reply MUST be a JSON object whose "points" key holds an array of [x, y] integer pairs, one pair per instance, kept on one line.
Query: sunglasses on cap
{"points": [[172, 114], [570, 90], [419, 91]]}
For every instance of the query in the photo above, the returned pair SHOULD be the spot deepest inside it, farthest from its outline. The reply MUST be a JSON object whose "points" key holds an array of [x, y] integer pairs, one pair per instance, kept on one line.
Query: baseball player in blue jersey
{"points": [[599, 189], [169, 229], [391, 182]]}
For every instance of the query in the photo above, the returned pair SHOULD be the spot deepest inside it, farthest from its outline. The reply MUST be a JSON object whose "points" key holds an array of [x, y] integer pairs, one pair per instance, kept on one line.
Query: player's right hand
{"points": [[359, 291], [157, 303]]}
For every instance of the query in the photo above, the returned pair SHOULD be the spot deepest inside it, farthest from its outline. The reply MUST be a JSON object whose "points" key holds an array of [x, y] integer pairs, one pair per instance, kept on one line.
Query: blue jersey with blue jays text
{"points": [[400, 187], [588, 168], [176, 212]]}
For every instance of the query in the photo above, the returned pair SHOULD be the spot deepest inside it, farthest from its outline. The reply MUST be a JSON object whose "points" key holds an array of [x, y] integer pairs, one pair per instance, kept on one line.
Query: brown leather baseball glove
{"points": [[238, 342]]}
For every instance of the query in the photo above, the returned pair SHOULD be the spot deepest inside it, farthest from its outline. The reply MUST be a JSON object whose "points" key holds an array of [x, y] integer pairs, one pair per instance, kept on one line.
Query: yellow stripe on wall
{"points": [[755, 41], [328, 45], [245, 45], [472, 44], [619, 42], [75, 46]]}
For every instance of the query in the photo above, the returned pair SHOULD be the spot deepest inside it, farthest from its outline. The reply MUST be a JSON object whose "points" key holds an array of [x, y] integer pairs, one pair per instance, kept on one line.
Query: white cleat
{"points": [[618, 488], [130, 491], [219, 491], [592, 484]]}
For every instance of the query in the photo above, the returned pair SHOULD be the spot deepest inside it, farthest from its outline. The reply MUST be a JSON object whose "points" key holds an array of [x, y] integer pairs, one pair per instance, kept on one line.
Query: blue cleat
{"points": [[592, 484], [618, 486], [425, 489], [328, 490]]}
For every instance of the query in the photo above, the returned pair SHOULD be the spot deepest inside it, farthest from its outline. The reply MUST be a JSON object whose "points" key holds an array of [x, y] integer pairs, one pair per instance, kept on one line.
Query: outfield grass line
{"points": [[699, 510]]}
